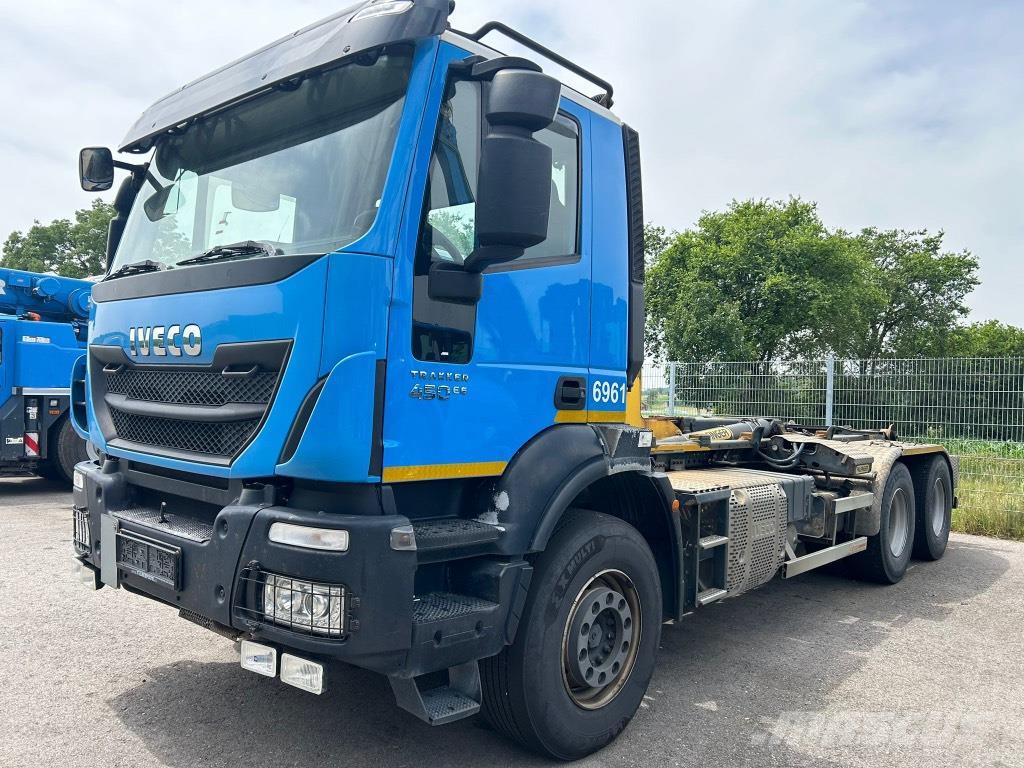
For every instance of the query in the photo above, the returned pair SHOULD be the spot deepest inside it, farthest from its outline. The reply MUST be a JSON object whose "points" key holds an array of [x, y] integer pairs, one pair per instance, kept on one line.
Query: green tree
{"points": [[656, 240], [756, 281], [909, 297], [988, 339], [70, 248]]}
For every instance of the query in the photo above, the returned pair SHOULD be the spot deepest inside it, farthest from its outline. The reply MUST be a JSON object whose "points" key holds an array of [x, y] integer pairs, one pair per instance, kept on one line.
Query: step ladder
{"points": [[459, 698], [705, 522]]}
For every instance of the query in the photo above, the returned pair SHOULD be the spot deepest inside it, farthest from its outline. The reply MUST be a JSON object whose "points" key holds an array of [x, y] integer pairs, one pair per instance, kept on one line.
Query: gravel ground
{"points": [[818, 670]]}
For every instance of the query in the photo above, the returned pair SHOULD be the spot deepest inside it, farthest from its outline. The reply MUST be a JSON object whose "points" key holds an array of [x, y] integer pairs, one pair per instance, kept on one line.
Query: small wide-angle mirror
{"points": [[96, 169]]}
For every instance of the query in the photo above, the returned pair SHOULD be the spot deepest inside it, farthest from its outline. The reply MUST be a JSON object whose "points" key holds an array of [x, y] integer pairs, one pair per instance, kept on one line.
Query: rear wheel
{"points": [[888, 553], [586, 644], [66, 449], [933, 486]]}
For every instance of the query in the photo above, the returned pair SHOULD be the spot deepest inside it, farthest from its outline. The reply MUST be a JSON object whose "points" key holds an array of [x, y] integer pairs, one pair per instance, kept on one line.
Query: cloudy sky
{"points": [[888, 113]]}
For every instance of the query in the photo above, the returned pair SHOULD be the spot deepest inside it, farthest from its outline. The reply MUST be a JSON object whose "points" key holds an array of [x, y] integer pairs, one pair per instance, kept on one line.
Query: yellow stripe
{"points": [[599, 416], [634, 403], [443, 471], [584, 417]]}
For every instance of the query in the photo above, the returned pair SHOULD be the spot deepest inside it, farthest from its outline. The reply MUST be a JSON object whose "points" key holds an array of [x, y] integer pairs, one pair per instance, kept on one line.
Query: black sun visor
{"points": [[357, 28]]}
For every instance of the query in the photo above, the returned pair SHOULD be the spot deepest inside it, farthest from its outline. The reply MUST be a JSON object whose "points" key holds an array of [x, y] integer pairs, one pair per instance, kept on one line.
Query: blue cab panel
{"points": [[350, 405]]}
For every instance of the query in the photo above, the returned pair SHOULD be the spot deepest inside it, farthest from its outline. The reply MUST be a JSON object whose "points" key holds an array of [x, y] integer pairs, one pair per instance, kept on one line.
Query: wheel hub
{"points": [[600, 640], [938, 516]]}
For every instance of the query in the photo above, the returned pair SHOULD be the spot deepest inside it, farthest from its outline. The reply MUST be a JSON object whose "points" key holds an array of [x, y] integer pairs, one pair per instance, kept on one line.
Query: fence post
{"points": [[671, 389], [830, 385]]}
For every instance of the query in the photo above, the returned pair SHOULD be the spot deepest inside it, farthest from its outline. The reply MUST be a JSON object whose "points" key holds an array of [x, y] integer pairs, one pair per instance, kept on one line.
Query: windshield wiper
{"points": [[136, 268], [234, 251]]}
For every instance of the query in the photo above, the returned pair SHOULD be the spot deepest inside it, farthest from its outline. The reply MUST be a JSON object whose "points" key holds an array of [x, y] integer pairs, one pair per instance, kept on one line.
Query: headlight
{"points": [[317, 609]]}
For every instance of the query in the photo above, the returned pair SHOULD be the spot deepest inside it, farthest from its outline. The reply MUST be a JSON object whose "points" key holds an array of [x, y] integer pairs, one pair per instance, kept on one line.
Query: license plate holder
{"points": [[149, 559]]}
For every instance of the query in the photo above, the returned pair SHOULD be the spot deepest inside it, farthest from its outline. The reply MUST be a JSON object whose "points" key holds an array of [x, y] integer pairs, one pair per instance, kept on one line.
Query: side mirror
{"points": [[96, 169], [514, 181]]}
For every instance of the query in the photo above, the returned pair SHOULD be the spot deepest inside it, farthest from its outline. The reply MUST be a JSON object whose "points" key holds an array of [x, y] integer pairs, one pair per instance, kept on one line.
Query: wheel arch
{"points": [[571, 465]]}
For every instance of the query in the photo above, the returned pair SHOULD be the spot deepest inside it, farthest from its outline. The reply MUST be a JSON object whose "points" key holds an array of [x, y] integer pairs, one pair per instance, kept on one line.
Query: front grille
{"points": [[215, 438], [208, 411], [191, 387]]}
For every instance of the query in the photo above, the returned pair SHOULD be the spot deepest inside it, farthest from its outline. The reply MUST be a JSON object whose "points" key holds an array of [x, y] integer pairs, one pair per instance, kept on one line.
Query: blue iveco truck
{"points": [[43, 326], [364, 376]]}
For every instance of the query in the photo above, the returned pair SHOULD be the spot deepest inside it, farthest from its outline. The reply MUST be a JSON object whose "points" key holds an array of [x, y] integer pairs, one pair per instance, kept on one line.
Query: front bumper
{"points": [[221, 559]]}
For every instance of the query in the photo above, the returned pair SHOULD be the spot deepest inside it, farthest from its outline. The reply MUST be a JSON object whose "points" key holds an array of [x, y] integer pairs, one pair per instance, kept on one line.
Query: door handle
{"points": [[571, 393]]}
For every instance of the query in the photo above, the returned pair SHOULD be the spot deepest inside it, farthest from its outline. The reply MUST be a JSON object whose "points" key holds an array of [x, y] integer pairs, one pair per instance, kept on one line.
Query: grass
{"points": [[991, 490]]}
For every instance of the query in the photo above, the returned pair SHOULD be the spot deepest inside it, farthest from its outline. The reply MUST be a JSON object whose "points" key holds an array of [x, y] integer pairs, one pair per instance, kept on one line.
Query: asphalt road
{"points": [[818, 670]]}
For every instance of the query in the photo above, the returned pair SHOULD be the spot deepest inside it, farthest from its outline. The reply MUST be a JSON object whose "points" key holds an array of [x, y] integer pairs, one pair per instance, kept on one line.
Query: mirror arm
{"points": [[131, 167], [480, 68]]}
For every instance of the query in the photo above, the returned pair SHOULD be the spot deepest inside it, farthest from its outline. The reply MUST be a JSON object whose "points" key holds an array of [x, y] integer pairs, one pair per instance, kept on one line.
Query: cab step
{"points": [[453, 537], [709, 596], [445, 606], [710, 542], [459, 699]]}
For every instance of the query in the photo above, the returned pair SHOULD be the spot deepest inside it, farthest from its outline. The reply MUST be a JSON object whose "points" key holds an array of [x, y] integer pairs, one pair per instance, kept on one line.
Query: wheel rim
{"points": [[601, 639], [899, 522], [938, 510]]}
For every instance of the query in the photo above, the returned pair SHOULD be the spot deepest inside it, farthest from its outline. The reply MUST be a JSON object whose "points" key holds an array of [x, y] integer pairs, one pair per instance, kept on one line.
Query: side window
{"points": [[563, 216], [450, 227], [443, 331]]}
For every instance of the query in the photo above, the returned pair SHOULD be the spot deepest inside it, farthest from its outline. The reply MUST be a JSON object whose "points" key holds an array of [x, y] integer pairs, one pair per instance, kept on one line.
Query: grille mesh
{"points": [[192, 387], [223, 438]]}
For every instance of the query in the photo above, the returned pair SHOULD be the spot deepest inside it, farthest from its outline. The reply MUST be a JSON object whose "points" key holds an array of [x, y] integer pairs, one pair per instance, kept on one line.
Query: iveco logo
{"points": [[162, 340]]}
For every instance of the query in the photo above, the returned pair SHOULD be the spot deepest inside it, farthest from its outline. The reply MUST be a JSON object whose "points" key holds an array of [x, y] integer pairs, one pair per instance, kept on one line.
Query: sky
{"points": [[898, 113]]}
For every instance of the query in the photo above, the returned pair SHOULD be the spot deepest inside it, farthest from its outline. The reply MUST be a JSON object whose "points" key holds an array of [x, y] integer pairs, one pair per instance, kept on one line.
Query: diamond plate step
{"points": [[453, 537], [442, 606], [709, 596], [444, 705], [710, 542], [460, 698]]}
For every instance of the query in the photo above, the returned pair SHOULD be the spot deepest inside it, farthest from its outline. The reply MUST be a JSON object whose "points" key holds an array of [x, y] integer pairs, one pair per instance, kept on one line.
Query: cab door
{"points": [[469, 384]]}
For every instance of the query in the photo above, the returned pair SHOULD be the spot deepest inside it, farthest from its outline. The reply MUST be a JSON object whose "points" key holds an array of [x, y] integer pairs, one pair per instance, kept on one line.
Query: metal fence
{"points": [[974, 406]]}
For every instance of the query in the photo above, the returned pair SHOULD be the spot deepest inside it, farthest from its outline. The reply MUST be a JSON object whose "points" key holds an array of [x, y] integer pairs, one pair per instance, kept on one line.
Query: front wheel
{"points": [[586, 646]]}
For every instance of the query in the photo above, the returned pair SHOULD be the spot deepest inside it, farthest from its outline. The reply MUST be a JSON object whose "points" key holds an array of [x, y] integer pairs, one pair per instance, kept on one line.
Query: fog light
{"points": [[261, 659], [317, 609], [307, 675], [329, 539], [79, 480]]}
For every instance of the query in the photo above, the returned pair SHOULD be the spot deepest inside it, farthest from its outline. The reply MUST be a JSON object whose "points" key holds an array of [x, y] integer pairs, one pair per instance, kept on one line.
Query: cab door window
{"points": [[443, 331]]}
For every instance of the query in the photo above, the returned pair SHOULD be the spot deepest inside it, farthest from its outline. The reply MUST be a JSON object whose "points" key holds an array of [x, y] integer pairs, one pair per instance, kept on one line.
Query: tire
{"points": [[933, 486], [888, 553], [66, 449], [532, 691]]}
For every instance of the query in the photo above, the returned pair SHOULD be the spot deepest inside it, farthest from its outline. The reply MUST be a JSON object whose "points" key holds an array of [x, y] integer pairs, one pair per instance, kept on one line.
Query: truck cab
{"points": [[43, 327], [364, 375]]}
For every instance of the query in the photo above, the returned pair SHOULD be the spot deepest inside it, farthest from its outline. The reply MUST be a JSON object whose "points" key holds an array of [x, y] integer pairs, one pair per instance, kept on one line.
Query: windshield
{"points": [[300, 168]]}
